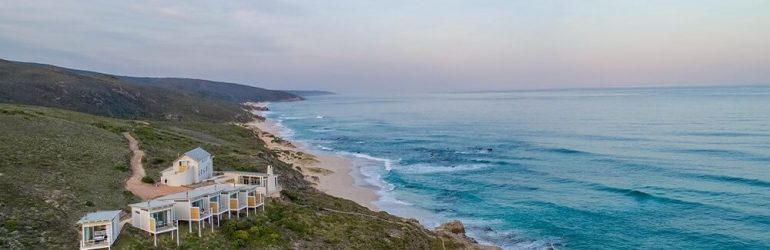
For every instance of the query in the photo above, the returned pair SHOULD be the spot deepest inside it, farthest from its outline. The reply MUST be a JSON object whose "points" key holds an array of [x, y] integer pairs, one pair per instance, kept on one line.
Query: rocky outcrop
{"points": [[455, 231]]}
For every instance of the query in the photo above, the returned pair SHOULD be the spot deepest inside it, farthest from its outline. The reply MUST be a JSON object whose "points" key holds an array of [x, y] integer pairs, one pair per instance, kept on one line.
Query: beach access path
{"points": [[145, 191]]}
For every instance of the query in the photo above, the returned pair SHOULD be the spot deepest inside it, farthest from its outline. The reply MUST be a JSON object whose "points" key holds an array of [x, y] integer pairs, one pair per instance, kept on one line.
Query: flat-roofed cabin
{"points": [[100, 229], [155, 217]]}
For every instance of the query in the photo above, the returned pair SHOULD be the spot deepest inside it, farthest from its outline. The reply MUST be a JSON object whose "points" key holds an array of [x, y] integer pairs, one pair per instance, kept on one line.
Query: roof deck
{"points": [[99, 216], [153, 205]]}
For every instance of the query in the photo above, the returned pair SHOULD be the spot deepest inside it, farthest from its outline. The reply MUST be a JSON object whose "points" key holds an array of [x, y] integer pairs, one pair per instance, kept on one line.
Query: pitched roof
{"points": [[100, 216], [198, 154]]}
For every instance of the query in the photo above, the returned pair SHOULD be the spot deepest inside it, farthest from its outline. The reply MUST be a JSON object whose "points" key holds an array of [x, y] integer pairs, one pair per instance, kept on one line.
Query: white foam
{"points": [[387, 163], [506, 239], [372, 169], [283, 131]]}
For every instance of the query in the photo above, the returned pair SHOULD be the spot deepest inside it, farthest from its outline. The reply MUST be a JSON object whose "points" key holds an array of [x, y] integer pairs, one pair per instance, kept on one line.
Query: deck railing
{"points": [[195, 213], [233, 203], [214, 208], [92, 243]]}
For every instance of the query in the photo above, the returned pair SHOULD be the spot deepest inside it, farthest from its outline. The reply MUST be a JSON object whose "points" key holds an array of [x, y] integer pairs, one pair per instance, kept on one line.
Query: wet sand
{"points": [[332, 174]]}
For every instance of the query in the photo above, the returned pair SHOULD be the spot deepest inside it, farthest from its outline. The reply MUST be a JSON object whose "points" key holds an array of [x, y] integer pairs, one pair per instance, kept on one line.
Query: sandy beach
{"points": [[332, 174]]}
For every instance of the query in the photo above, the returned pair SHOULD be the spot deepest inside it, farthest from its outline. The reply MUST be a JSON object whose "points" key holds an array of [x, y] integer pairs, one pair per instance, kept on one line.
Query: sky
{"points": [[397, 46]]}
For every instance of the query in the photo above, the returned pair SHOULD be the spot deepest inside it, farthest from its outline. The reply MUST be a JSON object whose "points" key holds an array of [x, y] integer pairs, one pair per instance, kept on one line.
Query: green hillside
{"points": [[128, 97], [56, 165], [66, 156], [54, 170]]}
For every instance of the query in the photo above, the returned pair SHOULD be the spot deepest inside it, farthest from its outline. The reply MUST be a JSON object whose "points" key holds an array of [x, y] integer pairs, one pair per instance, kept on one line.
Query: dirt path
{"points": [[134, 183]]}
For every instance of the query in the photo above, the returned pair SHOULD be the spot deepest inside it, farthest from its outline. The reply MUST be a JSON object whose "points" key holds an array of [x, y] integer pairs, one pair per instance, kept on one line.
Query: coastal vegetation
{"points": [[170, 99], [50, 152], [57, 164]]}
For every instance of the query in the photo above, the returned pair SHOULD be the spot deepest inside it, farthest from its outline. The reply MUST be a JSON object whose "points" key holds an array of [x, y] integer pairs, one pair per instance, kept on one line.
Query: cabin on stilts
{"points": [[155, 217], [99, 230]]}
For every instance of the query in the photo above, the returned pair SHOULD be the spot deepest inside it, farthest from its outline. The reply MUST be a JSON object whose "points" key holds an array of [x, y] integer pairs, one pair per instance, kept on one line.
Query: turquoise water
{"points": [[668, 168]]}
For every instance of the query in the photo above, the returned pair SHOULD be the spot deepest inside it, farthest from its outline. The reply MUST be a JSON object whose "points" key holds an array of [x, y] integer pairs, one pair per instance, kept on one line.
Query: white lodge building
{"points": [[192, 167]]}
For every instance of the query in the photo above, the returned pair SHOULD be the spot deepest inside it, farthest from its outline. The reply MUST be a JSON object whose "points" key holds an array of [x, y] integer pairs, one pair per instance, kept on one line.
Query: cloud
{"points": [[400, 45]]}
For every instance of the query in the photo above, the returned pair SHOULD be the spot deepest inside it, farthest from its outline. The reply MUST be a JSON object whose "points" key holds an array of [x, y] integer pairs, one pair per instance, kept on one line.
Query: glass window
{"points": [[88, 233], [160, 218]]}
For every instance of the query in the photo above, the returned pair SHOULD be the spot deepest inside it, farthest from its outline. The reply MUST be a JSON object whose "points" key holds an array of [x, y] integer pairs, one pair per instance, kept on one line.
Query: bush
{"points": [[11, 224], [148, 179], [241, 235], [289, 195], [122, 167]]}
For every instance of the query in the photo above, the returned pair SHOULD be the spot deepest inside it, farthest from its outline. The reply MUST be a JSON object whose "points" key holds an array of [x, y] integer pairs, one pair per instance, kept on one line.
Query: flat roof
{"points": [[188, 195], [245, 173], [224, 188], [152, 204], [100, 216]]}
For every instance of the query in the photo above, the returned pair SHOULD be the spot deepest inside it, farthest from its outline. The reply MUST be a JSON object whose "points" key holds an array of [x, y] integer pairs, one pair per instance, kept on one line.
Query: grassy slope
{"points": [[53, 171], [42, 144], [114, 96]]}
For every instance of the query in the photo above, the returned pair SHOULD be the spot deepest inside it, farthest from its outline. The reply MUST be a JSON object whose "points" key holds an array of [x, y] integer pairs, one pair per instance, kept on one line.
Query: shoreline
{"points": [[332, 174], [337, 175]]}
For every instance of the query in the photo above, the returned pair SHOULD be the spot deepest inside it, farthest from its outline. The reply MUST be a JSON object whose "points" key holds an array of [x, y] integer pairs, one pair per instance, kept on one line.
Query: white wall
{"points": [[182, 210], [195, 173], [178, 179], [115, 229], [139, 220]]}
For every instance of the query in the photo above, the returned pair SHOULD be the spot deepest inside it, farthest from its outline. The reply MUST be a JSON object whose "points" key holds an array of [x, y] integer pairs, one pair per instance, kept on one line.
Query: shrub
{"points": [[241, 235], [275, 213], [11, 224], [122, 167], [229, 227], [290, 195], [148, 179]]}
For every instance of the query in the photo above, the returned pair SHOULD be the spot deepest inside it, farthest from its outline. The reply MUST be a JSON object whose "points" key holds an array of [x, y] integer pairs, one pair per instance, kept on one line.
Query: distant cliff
{"points": [[128, 97], [307, 93]]}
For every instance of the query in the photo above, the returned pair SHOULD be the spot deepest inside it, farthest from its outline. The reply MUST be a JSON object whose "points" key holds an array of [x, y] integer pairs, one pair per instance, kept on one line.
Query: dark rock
{"points": [[455, 230]]}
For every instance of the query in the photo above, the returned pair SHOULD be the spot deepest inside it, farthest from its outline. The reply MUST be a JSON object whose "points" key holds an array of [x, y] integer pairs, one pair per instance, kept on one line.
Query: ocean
{"points": [[642, 168]]}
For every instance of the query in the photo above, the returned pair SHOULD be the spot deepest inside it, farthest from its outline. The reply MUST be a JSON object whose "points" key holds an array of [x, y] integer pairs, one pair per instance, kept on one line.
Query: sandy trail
{"points": [[134, 183]]}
